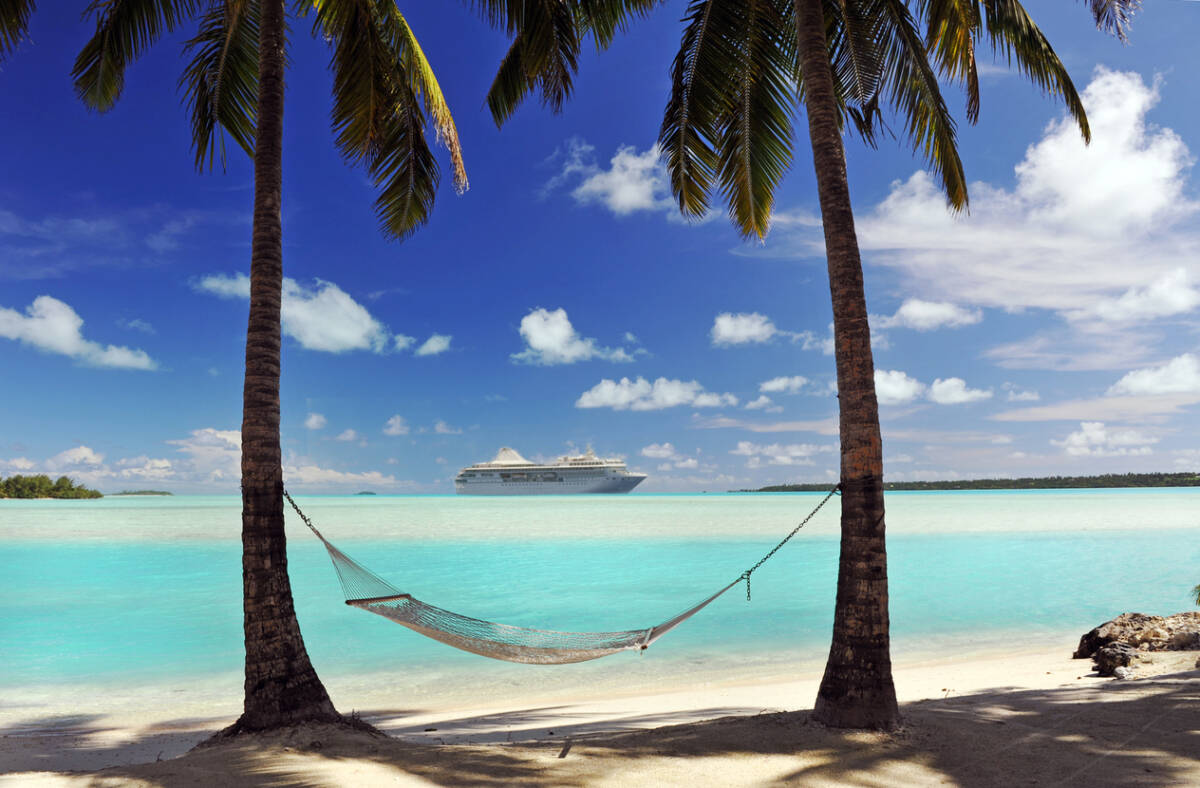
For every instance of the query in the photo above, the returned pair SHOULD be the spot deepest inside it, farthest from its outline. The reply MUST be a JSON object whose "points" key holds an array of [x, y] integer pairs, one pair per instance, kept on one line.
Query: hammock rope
{"points": [[368, 591]]}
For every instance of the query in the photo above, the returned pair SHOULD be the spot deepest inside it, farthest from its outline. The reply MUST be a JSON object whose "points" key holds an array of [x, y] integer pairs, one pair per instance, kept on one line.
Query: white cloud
{"points": [[777, 453], [1171, 294], [954, 391], [212, 455], [347, 436], [1020, 395], [323, 317], [928, 315], [1094, 439], [54, 327], [893, 387], [641, 394], [783, 385], [690, 463], [761, 403], [742, 328], [442, 428], [314, 475], [659, 451], [437, 343], [1105, 234], [396, 426], [632, 183], [551, 339], [1117, 408], [137, 324], [1180, 375], [75, 458], [827, 426], [315, 421], [402, 342]]}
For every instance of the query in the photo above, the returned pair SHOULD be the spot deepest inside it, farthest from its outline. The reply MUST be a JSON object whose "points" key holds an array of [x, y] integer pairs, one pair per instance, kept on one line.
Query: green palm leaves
{"points": [[14, 23], [736, 81], [384, 90]]}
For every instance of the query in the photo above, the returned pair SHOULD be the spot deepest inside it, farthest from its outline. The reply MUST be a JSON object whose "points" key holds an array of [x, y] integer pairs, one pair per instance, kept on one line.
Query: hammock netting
{"points": [[366, 590]]}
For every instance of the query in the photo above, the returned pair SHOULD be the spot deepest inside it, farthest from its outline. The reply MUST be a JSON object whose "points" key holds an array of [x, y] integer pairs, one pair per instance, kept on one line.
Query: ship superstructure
{"points": [[511, 474]]}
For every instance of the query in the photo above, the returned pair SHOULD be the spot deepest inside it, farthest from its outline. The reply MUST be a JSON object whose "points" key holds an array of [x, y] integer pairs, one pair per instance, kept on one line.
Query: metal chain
{"points": [[303, 516], [746, 575]]}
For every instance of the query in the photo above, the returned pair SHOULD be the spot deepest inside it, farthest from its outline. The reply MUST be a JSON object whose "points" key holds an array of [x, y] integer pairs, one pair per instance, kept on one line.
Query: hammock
{"points": [[366, 590]]}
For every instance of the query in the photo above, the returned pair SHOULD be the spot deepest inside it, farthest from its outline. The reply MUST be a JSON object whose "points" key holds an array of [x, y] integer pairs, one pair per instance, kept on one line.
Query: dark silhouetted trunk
{"points": [[857, 689], [281, 686]]}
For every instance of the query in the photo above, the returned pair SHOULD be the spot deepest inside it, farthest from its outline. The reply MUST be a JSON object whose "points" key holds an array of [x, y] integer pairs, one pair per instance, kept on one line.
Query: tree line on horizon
{"points": [[40, 486], [744, 69], [1110, 480]]}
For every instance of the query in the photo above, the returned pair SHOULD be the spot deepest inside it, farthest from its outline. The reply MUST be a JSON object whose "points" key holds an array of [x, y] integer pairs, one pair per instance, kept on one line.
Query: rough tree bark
{"points": [[282, 688], [856, 690]]}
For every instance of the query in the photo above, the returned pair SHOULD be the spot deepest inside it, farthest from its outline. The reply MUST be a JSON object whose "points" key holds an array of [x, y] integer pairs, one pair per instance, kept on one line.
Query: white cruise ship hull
{"points": [[615, 484], [512, 474]]}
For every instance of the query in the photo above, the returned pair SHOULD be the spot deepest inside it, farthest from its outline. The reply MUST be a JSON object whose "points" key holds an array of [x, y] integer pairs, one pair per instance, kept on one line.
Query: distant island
{"points": [[365, 492], [40, 486], [143, 492], [1029, 483]]}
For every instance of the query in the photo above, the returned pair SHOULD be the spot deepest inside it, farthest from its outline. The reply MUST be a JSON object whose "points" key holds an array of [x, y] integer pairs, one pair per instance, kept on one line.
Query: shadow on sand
{"points": [[1144, 732]]}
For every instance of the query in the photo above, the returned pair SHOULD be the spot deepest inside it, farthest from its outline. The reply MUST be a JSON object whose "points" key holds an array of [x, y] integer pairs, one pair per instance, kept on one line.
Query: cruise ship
{"points": [[511, 474]]}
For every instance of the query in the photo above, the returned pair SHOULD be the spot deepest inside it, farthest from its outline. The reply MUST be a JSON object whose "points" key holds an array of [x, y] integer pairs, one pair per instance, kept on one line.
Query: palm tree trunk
{"points": [[281, 686], [856, 690]]}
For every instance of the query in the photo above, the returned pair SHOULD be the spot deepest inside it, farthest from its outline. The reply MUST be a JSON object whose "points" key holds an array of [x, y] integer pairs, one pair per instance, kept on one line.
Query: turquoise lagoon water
{"points": [[135, 590]]}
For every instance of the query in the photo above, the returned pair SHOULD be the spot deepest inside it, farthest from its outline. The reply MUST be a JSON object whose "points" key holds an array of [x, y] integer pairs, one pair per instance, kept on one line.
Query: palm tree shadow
{"points": [[1122, 733]]}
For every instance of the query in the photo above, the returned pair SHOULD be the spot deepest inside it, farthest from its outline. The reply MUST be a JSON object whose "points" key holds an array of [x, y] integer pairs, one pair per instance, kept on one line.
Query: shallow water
{"points": [[123, 591]]}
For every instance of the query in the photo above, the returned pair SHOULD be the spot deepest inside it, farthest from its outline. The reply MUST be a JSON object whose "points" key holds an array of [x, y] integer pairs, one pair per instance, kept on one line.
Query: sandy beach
{"points": [[1032, 716]]}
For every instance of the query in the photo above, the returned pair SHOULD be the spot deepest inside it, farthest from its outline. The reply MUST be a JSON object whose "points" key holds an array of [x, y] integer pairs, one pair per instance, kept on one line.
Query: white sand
{"points": [[1022, 717]]}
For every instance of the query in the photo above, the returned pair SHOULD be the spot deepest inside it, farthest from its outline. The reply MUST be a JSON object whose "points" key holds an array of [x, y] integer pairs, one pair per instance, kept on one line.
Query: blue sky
{"points": [[561, 303]]}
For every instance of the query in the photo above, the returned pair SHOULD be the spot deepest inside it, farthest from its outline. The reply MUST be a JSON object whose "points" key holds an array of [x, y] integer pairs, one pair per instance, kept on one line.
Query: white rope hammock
{"points": [[366, 590]]}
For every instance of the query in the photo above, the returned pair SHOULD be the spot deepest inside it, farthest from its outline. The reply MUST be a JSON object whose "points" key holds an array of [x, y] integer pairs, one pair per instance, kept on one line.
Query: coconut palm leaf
{"points": [[382, 88], [755, 128], [1113, 16], [547, 36], [14, 23], [220, 82], [1013, 34], [701, 87], [854, 37], [952, 26], [124, 29], [911, 89]]}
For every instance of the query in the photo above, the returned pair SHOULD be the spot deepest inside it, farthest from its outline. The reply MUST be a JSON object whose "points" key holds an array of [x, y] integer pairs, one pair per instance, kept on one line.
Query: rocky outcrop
{"points": [[1180, 632], [1115, 645], [1114, 657]]}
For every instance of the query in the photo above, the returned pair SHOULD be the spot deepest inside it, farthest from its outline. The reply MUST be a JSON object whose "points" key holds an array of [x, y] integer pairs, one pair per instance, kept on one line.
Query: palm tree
{"points": [[14, 24], [742, 68], [383, 92]]}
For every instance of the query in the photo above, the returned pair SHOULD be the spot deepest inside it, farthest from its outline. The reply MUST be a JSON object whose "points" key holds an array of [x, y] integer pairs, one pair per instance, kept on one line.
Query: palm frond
{"points": [[424, 85], [544, 54], [124, 29], [220, 82], [911, 88], [382, 88], [853, 36], [700, 87], [755, 129], [1113, 16], [605, 18], [1014, 34], [404, 170], [14, 23], [952, 26], [511, 84]]}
